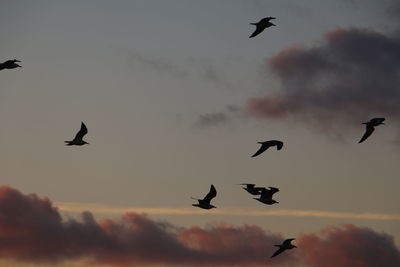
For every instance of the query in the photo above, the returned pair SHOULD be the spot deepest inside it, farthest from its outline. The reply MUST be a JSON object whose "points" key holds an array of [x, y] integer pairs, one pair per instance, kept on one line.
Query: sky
{"points": [[176, 96]]}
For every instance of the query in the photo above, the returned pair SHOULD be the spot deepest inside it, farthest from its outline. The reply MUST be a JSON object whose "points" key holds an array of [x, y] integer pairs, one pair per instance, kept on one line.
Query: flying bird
{"points": [[267, 144], [370, 127], [205, 202], [262, 25], [78, 140], [10, 64], [266, 195], [285, 245], [252, 189]]}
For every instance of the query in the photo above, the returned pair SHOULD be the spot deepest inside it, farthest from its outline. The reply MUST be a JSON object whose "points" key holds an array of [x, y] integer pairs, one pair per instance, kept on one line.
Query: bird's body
{"points": [[205, 202], [78, 140], [267, 144], [252, 189], [262, 25], [10, 64], [285, 245], [266, 195], [370, 127]]}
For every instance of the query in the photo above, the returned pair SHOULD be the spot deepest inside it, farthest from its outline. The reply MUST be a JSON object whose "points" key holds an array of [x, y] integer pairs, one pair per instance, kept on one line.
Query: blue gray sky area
{"points": [[163, 87]]}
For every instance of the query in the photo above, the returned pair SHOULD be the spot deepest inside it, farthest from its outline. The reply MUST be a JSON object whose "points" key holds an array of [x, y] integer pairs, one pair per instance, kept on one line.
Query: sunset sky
{"points": [[176, 96]]}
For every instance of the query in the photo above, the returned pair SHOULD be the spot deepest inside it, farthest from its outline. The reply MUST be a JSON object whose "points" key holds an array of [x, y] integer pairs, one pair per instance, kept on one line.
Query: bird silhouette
{"points": [[205, 202], [267, 144], [370, 127], [262, 25], [252, 189], [10, 64], [78, 140], [266, 195], [285, 245]]}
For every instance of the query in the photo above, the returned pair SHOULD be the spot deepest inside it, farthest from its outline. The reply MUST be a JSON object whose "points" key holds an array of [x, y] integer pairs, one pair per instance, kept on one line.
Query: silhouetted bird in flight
{"points": [[78, 140], [285, 245], [262, 25], [370, 127], [267, 144], [10, 64], [205, 202], [252, 189], [266, 195]]}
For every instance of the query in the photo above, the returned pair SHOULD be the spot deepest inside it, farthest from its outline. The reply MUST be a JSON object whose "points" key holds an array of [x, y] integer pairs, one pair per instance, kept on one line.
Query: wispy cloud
{"points": [[202, 69], [112, 210]]}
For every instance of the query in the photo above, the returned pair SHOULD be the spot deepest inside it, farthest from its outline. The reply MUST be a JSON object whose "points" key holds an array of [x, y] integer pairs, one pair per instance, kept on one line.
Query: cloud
{"points": [[202, 69], [111, 210], [226, 116], [348, 245], [349, 77], [32, 230]]}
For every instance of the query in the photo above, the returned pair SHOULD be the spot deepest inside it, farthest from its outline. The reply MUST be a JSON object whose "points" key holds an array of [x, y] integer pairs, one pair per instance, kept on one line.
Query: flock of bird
{"points": [[265, 194]]}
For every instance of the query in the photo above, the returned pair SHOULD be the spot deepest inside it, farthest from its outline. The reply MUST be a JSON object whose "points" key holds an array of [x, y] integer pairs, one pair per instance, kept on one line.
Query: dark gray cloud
{"points": [[351, 76], [202, 69], [226, 116]]}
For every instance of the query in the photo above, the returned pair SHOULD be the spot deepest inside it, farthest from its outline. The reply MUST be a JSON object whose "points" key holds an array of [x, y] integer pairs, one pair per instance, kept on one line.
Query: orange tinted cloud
{"points": [[348, 245], [32, 230]]}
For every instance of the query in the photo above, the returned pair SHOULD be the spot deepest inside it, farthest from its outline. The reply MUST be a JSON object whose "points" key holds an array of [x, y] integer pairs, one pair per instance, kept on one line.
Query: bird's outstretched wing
{"points": [[287, 241], [369, 130], [261, 150], [279, 251], [279, 145], [248, 185], [258, 30], [273, 190], [82, 132], [210, 195]]}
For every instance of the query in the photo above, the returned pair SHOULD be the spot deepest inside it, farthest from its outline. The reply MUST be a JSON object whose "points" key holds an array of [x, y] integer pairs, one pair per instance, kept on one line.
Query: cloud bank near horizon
{"points": [[32, 230]]}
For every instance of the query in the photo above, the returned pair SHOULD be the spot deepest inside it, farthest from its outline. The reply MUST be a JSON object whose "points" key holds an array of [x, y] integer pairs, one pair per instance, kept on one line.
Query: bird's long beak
{"points": [[294, 246], [272, 24]]}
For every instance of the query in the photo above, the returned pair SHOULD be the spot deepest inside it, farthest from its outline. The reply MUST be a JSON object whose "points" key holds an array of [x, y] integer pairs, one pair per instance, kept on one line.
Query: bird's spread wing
{"points": [[273, 190], [81, 132], [369, 130], [257, 31], [279, 251], [210, 195], [279, 145], [248, 185], [261, 150], [287, 241]]}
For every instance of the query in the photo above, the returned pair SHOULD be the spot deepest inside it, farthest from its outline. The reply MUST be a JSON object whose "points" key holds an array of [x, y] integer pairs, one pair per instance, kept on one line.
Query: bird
{"points": [[262, 25], [266, 195], [10, 64], [267, 144], [250, 188], [205, 202], [285, 245], [370, 127], [78, 141]]}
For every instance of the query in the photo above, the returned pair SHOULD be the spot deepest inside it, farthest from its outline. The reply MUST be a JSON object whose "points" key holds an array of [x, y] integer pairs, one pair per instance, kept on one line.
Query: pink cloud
{"points": [[32, 230]]}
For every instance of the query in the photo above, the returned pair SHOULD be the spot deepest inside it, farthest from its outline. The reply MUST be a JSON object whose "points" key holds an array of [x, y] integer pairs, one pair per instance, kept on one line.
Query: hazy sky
{"points": [[164, 89]]}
